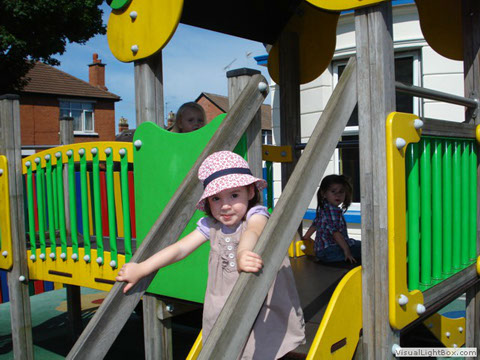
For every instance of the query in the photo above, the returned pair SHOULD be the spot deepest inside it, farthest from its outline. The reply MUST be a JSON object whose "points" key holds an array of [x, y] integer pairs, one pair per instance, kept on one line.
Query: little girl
{"points": [[332, 243], [190, 117], [233, 225]]}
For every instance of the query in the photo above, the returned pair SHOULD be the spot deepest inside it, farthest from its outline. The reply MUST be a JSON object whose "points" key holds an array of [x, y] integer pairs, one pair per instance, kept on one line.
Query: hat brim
{"points": [[229, 182]]}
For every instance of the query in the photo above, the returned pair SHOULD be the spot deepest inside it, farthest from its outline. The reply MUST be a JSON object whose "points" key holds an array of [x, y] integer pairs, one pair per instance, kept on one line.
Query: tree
{"points": [[35, 30]]}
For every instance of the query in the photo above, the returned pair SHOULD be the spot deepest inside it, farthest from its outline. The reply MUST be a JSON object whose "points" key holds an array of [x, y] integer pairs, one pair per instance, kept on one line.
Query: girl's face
{"points": [[335, 194], [192, 119], [230, 206]]}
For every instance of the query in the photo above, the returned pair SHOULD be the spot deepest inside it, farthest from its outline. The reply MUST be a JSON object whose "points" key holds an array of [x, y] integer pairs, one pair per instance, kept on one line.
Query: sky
{"points": [[194, 61]]}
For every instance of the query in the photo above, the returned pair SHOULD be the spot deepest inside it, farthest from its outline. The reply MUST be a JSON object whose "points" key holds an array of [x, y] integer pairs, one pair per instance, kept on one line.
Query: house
{"points": [[416, 63], [215, 105], [52, 94]]}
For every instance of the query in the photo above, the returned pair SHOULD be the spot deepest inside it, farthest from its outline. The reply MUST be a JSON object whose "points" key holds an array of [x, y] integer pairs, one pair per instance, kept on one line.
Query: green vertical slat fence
{"points": [[41, 206], [447, 207], [111, 207], [413, 216], [473, 203], [125, 204], [73, 204], [442, 179], [84, 199], [61, 205], [456, 203], [97, 206], [50, 205], [437, 210], [31, 210], [425, 213]]}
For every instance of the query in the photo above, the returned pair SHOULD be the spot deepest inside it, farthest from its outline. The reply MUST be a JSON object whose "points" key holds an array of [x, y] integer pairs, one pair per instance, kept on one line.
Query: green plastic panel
{"points": [[160, 165]]}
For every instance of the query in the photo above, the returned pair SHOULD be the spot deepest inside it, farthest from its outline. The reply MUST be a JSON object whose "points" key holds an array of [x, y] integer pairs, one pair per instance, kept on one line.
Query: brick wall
{"points": [[39, 120], [211, 110]]}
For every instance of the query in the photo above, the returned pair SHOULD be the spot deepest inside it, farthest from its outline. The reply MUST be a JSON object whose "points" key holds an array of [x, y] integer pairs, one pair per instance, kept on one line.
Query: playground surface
{"points": [[50, 333]]}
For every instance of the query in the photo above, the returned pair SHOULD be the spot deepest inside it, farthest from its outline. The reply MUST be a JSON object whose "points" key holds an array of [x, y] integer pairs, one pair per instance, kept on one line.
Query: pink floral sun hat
{"points": [[225, 170]]}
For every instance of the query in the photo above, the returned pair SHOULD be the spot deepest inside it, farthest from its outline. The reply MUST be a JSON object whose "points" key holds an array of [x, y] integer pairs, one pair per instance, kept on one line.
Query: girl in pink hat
{"points": [[233, 225]]}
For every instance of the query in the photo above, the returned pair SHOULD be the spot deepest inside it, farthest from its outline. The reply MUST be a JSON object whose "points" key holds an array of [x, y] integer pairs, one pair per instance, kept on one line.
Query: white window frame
{"points": [[83, 131], [417, 103]]}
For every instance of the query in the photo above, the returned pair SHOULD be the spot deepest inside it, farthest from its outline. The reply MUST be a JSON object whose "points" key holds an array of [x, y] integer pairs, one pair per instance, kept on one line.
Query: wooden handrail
{"points": [[232, 328], [109, 319]]}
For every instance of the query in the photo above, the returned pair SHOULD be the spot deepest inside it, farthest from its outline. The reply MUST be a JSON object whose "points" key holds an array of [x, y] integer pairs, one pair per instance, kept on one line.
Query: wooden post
{"points": [[237, 80], [10, 146], [74, 302], [289, 72], [149, 107], [471, 71], [149, 90], [375, 75], [115, 310]]}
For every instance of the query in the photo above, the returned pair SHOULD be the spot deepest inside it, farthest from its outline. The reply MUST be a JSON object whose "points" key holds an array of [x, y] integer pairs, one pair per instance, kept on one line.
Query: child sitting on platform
{"points": [[233, 225], [332, 243]]}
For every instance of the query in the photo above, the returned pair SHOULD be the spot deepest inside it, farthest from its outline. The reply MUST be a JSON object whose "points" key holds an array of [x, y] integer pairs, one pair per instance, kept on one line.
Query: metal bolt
{"points": [[28, 164], [302, 247], [460, 329], [81, 152], [52, 256], [5, 253], [395, 349], [133, 15], [37, 160], [21, 278], [417, 124], [134, 49], [420, 309], [122, 152], [86, 258], [170, 308], [94, 151], [42, 256], [138, 144], [447, 334], [262, 86], [113, 263], [69, 153], [99, 260], [74, 256], [32, 257], [1, 172], [63, 256], [47, 157], [108, 151], [58, 155]]}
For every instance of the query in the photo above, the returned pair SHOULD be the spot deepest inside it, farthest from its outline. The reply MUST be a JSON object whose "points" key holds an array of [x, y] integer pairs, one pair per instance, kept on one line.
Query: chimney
{"points": [[96, 73], [122, 124]]}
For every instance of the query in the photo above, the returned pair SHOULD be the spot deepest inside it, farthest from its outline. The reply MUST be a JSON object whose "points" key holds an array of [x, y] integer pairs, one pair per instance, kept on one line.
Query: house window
{"points": [[267, 137], [82, 113], [406, 71]]}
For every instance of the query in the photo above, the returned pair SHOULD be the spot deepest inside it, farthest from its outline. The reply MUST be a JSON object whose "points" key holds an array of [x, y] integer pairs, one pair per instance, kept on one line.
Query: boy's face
{"points": [[335, 194], [192, 119], [230, 206]]}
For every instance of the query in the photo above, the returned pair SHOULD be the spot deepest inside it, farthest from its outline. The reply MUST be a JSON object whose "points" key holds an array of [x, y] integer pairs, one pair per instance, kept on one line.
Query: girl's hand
{"points": [[130, 273], [248, 261], [349, 257]]}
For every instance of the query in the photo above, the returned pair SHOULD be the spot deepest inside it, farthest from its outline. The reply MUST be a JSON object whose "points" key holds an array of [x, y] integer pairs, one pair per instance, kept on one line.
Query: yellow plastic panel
{"points": [[451, 332], [339, 332], [79, 272], [399, 125], [316, 31], [441, 23], [62, 150], [277, 153], [147, 25], [6, 256], [340, 5], [196, 348]]}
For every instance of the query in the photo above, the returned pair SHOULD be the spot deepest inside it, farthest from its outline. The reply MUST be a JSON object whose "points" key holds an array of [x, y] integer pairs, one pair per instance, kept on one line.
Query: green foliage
{"points": [[35, 30]]}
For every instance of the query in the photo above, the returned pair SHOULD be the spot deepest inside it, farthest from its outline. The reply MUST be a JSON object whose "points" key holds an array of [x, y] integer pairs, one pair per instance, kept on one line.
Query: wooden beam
{"points": [[471, 75], [237, 80], [448, 128], [11, 147], [109, 319], [235, 321], [149, 90], [289, 72], [374, 39]]}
